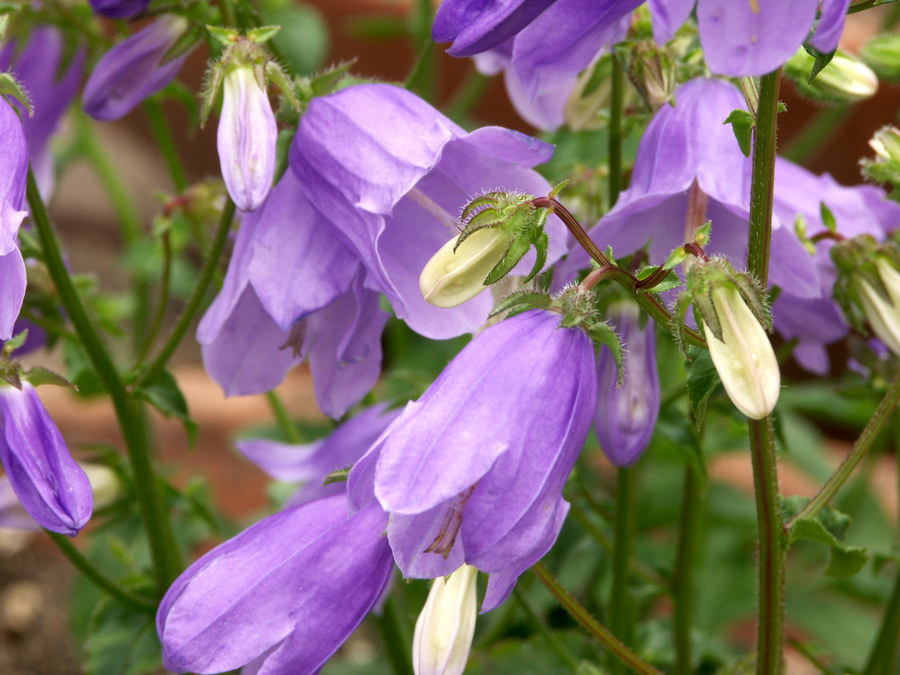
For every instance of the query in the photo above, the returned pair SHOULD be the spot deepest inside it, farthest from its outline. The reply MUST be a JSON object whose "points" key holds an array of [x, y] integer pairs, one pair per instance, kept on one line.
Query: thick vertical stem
{"points": [[763, 178], [621, 610], [163, 550], [683, 583], [883, 658], [770, 621]]}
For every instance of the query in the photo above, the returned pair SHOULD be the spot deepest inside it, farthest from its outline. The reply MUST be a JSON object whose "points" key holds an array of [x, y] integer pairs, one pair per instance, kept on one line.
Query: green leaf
{"points": [[121, 642], [164, 394], [39, 375], [828, 528], [827, 217], [702, 381], [676, 432], [822, 59], [742, 123], [10, 87], [262, 33], [603, 334]]}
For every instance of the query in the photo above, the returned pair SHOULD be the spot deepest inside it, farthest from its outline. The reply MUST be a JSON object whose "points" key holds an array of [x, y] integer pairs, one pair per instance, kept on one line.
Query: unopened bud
{"points": [[882, 54], [247, 138], [886, 143], [653, 73], [743, 357], [444, 630], [452, 277], [844, 80], [883, 314]]}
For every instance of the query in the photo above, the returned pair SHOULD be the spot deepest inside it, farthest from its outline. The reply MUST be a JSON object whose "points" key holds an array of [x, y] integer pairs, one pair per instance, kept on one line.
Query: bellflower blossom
{"points": [[626, 413], [688, 169], [13, 173], [857, 210], [37, 68], [246, 138], [390, 173], [119, 9], [542, 46], [52, 487], [12, 514], [293, 291], [311, 463], [281, 596], [473, 471], [133, 69]]}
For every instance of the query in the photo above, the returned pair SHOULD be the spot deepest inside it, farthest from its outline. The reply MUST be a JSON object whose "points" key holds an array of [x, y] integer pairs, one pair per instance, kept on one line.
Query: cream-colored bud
{"points": [[744, 358], [446, 625], [452, 277], [883, 316], [886, 143]]}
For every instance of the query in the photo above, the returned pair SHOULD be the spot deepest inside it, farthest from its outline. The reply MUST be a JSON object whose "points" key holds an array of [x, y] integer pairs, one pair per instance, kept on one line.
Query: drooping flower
{"points": [[293, 291], [542, 46], [37, 69], [119, 9], [311, 463], [13, 173], [12, 513], [626, 413], [134, 69], [473, 471], [53, 489], [444, 629], [390, 173], [246, 138], [281, 596]]}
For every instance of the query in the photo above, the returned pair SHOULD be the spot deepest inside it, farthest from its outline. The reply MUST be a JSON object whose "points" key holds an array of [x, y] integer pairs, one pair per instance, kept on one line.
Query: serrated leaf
{"points": [[164, 394], [39, 375], [702, 379], [325, 82], [525, 300], [827, 527], [742, 123]]}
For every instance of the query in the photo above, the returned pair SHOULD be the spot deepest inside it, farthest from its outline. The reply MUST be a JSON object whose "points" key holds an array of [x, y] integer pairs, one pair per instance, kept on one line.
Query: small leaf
{"points": [[827, 217], [39, 375], [827, 527], [10, 87], [521, 302], [121, 641], [224, 36], [554, 193], [14, 343], [516, 251], [742, 123], [339, 476], [702, 380], [164, 394], [262, 34], [603, 333], [822, 59]]}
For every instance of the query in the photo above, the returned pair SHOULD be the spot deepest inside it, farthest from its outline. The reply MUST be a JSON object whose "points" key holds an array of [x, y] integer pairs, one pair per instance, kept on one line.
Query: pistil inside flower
{"points": [[435, 209], [450, 525]]}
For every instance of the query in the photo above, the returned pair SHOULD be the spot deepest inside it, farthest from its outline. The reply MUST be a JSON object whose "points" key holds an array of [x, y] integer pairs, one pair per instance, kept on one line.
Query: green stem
{"points": [[590, 624], [163, 301], [763, 178], [770, 622], [683, 581], [882, 415], [395, 636], [165, 142], [541, 627], [193, 304], [97, 577], [285, 423], [467, 95], [649, 302], [163, 550], [884, 651], [614, 144], [420, 67], [621, 605]]}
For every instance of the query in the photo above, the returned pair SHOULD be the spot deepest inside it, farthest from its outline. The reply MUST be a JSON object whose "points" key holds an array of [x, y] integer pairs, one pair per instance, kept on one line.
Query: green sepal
{"points": [[676, 257], [554, 193], [10, 373], [10, 87], [604, 334], [742, 123], [14, 343], [703, 234], [338, 476], [164, 394], [39, 375], [701, 379], [827, 217], [276, 74], [520, 302], [212, 83], [821, 59], [669, 282], [827, 527], [224, 36], [262, 34]]}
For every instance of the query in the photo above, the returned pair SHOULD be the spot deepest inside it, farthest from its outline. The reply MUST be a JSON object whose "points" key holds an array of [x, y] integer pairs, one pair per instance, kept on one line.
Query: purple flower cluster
{"points": [[542, 45]]}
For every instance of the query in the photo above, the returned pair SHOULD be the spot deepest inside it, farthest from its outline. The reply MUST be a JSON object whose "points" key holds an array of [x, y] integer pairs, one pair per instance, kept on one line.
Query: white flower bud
{"points": [[452, 277], [446, 625], [883, 316], [744, 358], [246, 139]]}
